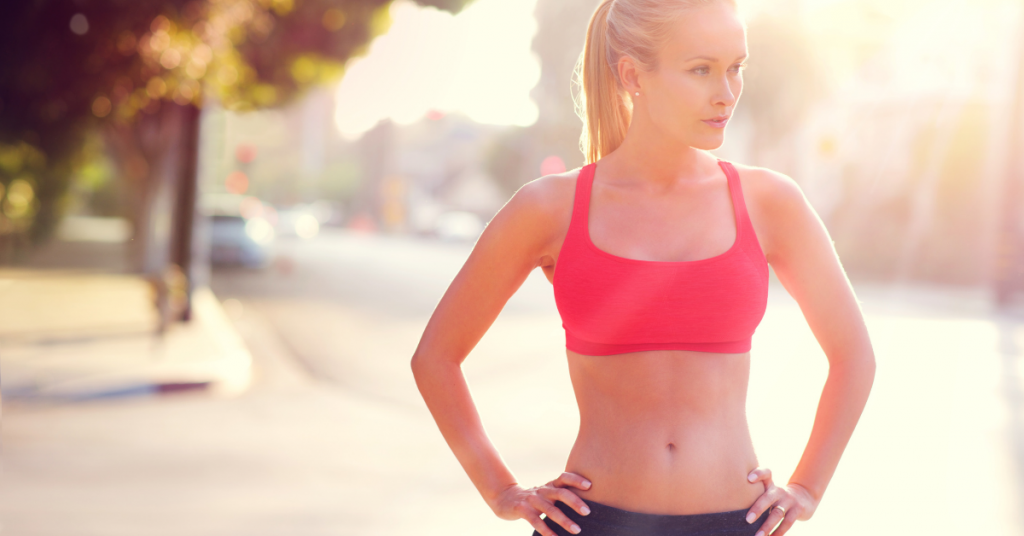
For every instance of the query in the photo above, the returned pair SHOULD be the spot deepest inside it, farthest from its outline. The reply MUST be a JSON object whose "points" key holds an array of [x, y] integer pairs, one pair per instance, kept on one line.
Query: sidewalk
{"points": [[67, 335]]}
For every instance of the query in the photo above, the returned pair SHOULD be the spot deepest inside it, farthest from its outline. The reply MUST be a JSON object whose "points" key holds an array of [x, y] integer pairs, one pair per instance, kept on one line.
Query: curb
{"points": [[206, 354]]}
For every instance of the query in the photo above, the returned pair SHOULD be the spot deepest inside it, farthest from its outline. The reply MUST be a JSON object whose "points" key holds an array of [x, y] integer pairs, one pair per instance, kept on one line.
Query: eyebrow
{"points": [[708, 58]]}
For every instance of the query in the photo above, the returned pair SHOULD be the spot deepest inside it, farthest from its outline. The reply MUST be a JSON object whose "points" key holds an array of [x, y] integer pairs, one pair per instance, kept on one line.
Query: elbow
{"points": [[860, 365], [862, 360], [416, 363], [421, 363], [418, 371]]}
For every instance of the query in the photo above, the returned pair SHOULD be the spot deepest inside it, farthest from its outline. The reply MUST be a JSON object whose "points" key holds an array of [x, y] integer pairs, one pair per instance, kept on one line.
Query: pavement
{"points": [[331, 436], [76, 335]]}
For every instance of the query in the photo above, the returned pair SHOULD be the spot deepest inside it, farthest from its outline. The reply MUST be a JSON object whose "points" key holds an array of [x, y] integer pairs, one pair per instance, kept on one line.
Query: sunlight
{"points": [[478, 62]]}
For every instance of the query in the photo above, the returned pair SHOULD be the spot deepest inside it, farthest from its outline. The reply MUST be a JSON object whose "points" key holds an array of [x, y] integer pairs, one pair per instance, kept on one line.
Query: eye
{"points": [[703, 69], [739, 67]]}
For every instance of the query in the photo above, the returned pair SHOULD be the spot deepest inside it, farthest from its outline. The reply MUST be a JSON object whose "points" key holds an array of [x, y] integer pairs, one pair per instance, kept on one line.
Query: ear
{"points": [[629, 74]]}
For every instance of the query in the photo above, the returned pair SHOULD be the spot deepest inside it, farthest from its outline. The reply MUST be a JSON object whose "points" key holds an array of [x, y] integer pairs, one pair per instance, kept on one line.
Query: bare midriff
{"points": [[664, 432]]}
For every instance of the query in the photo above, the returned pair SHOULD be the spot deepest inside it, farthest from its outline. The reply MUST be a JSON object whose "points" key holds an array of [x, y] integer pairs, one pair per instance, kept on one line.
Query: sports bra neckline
{"points": [[585, 189]]}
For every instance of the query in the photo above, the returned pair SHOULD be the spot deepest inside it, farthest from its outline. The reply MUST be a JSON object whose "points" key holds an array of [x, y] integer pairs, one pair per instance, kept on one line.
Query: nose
{"points": [[725, 92]]}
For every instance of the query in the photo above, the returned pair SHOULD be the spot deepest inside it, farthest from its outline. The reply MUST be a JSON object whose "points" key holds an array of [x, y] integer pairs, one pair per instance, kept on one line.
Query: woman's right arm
{"points": [[518, 239]]}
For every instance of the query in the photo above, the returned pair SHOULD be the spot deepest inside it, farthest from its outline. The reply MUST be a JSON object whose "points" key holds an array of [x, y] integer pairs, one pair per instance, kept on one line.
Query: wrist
{"points": [[812, 493], [493, 497]]}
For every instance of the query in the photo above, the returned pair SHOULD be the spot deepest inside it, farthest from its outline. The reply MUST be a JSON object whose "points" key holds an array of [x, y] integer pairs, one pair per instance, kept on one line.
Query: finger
{"points": [[760, 473], [764, 502], [568, 497], [554, 513], [571, 479], [786, 523], [532, 516], [773, 519], [540, 526]]}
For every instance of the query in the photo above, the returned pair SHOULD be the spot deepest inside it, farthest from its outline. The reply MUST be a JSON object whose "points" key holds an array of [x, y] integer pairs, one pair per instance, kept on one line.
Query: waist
{"points": [[664, 432], [683, 472]]}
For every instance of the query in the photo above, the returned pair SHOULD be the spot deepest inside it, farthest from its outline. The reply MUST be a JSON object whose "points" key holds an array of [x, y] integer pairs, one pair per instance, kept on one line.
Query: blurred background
{"points": [[225, 223]]}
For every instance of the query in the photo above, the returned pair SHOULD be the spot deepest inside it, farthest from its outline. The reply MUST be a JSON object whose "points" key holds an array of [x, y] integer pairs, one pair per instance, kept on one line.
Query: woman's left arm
{"points": [[801, 253]]}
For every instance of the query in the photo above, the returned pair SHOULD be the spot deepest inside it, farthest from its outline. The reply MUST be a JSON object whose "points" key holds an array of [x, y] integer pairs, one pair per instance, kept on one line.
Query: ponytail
{"points": [[634, 28], [601, 103]]}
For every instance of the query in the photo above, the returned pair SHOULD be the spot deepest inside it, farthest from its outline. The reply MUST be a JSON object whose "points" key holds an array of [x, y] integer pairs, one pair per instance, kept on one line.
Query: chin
{"points": [[709, 143]]}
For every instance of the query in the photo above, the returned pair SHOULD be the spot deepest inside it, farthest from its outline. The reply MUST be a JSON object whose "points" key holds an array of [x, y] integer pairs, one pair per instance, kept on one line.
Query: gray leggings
{"points": [[605, 520]]}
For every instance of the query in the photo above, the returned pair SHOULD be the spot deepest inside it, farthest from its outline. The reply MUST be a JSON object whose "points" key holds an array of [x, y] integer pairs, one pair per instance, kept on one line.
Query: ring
{"points": [[782, 509]]}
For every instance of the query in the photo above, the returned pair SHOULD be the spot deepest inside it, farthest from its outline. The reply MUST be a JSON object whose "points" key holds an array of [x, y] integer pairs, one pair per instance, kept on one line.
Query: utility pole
{"points": [[1009, 266]]}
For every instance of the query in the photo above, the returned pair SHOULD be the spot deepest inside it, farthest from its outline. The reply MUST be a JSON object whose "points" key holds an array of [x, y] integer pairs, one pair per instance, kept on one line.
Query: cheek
{"points": [[685, 96]]}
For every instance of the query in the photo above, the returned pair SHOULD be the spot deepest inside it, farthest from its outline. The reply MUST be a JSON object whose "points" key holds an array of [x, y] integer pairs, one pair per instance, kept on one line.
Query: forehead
{"points": [[714, 30]]}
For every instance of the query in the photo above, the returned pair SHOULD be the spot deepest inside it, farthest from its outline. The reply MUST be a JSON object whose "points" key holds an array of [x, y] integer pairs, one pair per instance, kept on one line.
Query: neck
{"points": [[649, 155]]}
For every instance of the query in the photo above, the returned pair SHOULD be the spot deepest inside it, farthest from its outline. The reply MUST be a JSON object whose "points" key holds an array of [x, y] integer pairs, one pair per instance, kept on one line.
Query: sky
{"points": [[478, 62]]}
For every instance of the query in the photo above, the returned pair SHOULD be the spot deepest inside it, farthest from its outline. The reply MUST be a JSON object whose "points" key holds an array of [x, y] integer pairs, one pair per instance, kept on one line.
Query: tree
{"points": [[139, 70]]}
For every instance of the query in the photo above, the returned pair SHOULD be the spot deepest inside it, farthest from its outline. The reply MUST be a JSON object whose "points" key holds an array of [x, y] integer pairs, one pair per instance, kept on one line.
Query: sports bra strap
{"points": [[585, 181], [739, 205], [581, 202]]}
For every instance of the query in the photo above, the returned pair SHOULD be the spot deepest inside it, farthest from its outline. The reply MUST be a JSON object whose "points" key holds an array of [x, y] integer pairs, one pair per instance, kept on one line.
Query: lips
{"points": [[718, 122]]}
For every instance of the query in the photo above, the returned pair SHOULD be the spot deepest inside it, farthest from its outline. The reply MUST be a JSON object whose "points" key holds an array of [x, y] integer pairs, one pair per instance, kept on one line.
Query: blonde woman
{"points": [[658, 253]]}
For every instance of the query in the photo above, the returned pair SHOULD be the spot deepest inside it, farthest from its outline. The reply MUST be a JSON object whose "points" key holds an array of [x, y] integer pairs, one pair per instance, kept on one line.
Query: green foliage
{"points": [[70, 66]]}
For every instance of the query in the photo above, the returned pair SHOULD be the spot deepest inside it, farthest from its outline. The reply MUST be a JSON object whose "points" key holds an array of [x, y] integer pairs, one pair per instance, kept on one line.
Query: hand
{"points": [[798, 502], [516, 502]]}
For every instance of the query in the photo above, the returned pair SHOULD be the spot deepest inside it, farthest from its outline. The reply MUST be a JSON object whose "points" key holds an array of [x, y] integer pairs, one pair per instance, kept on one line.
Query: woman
{"points": [[658, 253]]}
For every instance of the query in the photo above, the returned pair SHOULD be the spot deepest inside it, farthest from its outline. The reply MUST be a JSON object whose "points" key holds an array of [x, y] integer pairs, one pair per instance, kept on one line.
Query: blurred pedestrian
{"points": [[658, 252]]}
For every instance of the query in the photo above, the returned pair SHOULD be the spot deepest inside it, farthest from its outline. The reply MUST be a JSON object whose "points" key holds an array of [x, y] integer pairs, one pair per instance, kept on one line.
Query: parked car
{"points": [[235, 240]]}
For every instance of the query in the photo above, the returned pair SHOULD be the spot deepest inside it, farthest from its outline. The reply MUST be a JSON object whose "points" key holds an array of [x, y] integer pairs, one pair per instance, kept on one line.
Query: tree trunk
{"points": [[157, 157]]}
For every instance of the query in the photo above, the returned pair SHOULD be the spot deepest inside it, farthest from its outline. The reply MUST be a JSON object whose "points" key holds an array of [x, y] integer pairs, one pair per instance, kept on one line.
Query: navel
{"points": [[671, 447]]}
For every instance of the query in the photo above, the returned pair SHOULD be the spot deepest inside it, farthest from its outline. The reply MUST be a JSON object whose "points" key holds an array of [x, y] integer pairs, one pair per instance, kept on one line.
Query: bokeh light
{"points": [[101, 106], [237, 182], [551, 165], [245, 153], [79, 24], [259, 230]]}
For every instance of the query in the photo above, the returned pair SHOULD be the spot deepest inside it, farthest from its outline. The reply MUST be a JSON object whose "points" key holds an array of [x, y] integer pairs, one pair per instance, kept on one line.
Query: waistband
{"points": [[661, 524], [585, 347]]}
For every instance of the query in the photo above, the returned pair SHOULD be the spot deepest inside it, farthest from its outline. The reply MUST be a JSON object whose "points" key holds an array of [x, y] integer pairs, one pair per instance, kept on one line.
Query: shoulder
{"points": [[540, 211], [548, 192], [778, 209], [769, 190], [547, 200]]}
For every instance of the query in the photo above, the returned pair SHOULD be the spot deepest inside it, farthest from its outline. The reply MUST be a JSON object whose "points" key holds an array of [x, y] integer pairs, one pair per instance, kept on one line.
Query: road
{"points": [[333, 438], [939, 448]]}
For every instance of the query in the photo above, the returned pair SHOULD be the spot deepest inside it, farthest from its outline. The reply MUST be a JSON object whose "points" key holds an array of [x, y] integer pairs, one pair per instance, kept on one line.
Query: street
{"points": [[333, 437]]}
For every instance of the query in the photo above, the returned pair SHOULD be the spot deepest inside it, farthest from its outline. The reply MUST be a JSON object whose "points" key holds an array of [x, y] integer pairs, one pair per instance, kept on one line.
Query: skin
{"points": [[661, 432]]}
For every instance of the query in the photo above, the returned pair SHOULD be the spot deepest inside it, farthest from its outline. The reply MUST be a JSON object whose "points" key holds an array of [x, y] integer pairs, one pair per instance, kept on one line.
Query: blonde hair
{"points": [[634, 28]]}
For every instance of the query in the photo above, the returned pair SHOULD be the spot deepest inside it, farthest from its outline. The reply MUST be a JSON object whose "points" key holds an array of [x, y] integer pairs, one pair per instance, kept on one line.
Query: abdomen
{"points": [[664, 432]]}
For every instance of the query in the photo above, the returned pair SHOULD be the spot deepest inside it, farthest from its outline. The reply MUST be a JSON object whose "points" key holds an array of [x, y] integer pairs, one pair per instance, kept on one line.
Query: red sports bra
{"points": [[614, 305]]}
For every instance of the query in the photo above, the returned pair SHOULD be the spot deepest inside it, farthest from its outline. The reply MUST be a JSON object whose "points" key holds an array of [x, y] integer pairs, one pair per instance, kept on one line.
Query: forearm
{"points": [[447, 395], [842, 401]]}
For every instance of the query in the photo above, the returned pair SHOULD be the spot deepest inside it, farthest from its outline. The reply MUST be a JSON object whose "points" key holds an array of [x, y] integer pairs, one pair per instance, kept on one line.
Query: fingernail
{"points": [[751, 477], [585, 510], [586, 483], [759, 533], [576, 530], [751, 517]]}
